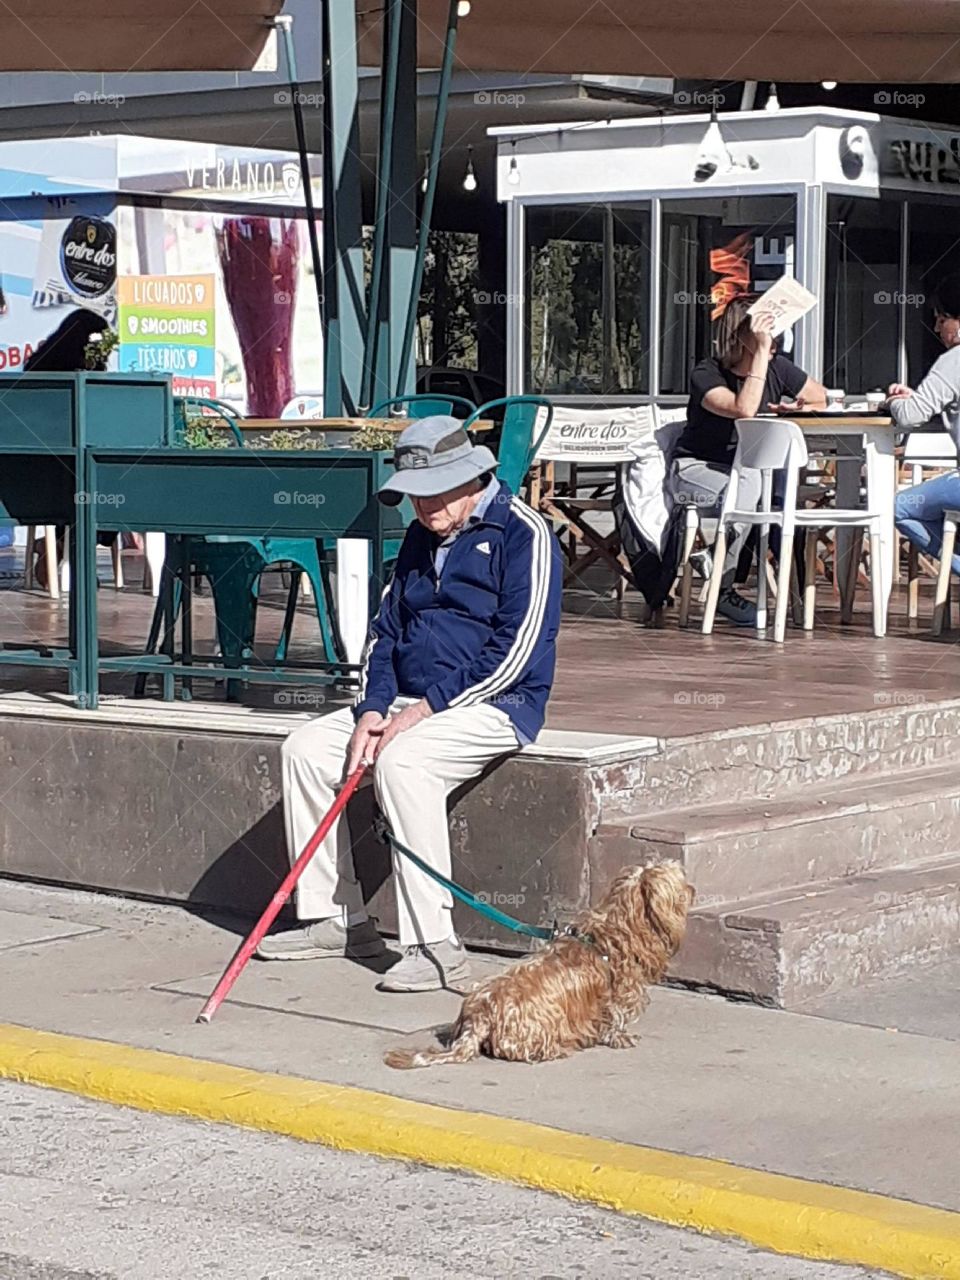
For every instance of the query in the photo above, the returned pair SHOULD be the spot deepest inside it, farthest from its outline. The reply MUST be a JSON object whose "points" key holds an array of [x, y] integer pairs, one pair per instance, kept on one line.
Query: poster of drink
{"points": [[167, 324]]}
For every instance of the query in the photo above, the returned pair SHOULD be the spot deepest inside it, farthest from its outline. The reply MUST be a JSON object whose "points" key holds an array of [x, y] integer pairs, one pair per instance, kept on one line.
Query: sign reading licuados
{"points": [[601, 435]]}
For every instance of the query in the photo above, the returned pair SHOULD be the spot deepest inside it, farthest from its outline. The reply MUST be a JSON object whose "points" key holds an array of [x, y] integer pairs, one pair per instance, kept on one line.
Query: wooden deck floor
{"points": [[614, 674]]}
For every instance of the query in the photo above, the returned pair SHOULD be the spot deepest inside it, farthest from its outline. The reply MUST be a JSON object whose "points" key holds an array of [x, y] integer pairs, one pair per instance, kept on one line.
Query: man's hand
{"points": [[788, 406], [365, 739], [402, 721], [898, 391], [762, 328]]}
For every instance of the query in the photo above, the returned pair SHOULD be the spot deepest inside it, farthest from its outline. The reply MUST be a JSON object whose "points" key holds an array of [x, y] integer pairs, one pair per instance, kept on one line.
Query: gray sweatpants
{"points": [[702, 485], [412, 777]]}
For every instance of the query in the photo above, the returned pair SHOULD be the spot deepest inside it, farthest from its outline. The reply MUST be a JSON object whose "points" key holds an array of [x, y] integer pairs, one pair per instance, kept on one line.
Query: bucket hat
{"points": [[433, 456]]}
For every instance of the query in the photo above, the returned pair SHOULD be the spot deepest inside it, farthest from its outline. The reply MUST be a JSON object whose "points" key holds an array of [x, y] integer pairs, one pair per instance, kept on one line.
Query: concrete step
{"points": [[902, 733], [788, 948], [822, 833]]}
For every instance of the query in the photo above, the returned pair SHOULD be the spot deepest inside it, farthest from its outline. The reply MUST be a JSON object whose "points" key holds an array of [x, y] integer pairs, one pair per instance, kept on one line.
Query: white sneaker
{"points": [[430, 966], [320, 938]]}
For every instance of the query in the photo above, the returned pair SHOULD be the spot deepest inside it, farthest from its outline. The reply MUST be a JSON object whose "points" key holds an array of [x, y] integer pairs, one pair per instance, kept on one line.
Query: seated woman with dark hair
{"points": [[919, 510], [65, 351], [745, 376]]}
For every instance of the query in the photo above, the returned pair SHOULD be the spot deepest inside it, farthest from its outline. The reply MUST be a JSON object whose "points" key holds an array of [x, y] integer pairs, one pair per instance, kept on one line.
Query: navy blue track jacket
{"points": [[483, 631]]}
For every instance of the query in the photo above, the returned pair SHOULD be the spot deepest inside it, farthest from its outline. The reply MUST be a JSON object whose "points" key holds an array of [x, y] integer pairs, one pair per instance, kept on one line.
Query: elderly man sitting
{"points": [[457, 672]]}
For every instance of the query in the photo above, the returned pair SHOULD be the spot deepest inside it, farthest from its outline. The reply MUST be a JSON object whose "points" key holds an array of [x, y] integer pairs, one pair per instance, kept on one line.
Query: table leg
{"points": [[849, 467], [154, 550], [881, 469], [353, 593], [186, 625], [83, 594]]}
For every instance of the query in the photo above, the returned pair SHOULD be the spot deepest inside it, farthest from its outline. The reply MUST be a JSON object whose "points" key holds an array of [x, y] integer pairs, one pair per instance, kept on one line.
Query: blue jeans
{"points": [[919, 513]]}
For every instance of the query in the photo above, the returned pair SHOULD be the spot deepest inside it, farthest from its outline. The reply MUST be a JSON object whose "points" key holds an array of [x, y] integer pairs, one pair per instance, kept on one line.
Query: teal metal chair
{"points": [[422, 405], [185, 407], [518, 446], [233, 567]]}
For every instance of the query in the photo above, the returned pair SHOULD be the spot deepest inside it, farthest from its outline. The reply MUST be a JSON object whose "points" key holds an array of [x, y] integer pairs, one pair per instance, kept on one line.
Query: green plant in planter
{"points": [[286, 439], [200, 434], [100, 347], [375, 439]]}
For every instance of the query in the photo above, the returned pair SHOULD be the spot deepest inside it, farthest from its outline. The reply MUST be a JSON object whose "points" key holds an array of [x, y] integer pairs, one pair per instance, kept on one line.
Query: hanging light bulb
{"points": [[713, 155], [463, 8], [425, 180], [828, 84], [513, 173], [773, 102], [469, 178]]}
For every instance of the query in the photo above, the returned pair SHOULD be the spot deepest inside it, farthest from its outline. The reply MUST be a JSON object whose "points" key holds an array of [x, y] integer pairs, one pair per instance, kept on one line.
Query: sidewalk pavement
{"points": [[847, 1105]]}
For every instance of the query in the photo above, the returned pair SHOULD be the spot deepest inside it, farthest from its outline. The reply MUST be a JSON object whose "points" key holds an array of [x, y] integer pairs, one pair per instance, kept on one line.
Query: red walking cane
{"points": [[253, 939]]}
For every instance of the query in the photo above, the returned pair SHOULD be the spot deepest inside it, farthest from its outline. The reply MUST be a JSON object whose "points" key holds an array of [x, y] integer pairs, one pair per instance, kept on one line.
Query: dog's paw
{"points": [[620, 1040]]}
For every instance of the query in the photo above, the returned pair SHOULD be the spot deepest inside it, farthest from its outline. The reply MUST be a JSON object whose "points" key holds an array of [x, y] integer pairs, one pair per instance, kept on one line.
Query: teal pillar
{"points": [[402, 216], [343, 284]]}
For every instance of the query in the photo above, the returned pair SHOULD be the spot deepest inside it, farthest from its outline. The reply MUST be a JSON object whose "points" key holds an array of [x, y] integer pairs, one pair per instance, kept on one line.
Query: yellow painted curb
{"points": [[788, 1215]]}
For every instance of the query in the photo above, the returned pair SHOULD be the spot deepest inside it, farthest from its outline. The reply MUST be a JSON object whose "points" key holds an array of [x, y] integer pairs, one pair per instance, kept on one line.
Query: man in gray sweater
{"points": [[919, 510]]}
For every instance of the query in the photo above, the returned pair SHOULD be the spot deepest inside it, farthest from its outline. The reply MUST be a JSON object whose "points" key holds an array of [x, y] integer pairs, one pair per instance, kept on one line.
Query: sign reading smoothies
{"points": [[167, 323]]}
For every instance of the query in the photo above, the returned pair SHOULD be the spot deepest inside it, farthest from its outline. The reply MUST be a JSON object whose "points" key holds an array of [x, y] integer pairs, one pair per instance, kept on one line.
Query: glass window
{"points": [[933, 252], [587, 288], [860, 309], [713, 248]]}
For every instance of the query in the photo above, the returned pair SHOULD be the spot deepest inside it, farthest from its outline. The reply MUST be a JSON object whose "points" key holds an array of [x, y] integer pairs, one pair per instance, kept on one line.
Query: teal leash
{"points": [[471, 899]]}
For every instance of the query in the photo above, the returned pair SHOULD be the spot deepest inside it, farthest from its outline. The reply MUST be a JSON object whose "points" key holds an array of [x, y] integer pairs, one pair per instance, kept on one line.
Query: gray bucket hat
{"points": [[434, 455]]}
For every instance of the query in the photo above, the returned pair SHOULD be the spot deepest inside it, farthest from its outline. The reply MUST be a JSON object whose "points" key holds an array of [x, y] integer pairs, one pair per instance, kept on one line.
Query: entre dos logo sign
{"points": [[88, 256]]}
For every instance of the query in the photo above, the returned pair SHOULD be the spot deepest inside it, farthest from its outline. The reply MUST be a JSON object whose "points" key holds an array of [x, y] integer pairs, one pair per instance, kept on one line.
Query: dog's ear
{"points": [[666, 897]]}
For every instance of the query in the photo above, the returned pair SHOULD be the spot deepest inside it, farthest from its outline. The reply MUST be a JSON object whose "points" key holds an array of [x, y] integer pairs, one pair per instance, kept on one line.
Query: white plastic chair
{"points": [[774, 444], [925, 452]]}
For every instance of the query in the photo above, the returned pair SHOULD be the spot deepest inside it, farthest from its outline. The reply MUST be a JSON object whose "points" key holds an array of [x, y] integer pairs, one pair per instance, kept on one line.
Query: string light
{"points": [[513, 173], [773, 102], [828, 84], [469, 178], [463, 9]]}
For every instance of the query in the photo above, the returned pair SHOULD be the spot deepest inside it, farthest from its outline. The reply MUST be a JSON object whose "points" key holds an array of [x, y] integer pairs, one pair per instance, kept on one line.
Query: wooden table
{"points": [[340, 424], [864, 442]]}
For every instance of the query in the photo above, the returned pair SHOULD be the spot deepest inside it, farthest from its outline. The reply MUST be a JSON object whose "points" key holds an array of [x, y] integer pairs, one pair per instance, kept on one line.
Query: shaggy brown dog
{"points": [[584, 989]]}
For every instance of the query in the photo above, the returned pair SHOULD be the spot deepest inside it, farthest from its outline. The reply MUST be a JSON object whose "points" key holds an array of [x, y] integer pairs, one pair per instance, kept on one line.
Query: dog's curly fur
{"points": [[579, 992]]}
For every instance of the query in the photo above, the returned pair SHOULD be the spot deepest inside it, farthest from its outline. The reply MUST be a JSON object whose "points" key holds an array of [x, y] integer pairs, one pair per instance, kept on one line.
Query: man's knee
{"points": [[311, 744]]}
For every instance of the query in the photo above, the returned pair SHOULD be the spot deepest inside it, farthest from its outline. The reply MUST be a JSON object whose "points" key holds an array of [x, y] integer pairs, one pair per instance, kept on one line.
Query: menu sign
{"points": [[167, 324], [88, 256]]}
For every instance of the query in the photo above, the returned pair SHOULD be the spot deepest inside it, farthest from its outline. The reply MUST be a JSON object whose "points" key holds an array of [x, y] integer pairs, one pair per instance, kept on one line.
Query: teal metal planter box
{"points": [[47, 421], [235, 493]]}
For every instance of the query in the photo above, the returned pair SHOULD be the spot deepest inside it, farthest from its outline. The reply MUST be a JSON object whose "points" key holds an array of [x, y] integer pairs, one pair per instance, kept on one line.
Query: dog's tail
{"points": [[464, 1048]]}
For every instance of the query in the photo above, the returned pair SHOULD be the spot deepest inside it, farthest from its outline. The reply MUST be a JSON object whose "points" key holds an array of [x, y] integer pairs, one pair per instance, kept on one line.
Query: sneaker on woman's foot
{"points": [[428, 966], [320, 938], [735, 608]]}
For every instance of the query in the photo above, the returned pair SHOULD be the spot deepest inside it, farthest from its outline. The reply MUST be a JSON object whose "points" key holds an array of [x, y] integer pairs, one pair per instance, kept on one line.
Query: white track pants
{"points": [[413, 778]]}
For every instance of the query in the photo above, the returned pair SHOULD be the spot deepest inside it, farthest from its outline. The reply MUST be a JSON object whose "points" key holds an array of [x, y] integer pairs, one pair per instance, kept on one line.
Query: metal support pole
{"points": [[343, 287], [285, 26], [388, 104], [426, 211], [401, 214]]}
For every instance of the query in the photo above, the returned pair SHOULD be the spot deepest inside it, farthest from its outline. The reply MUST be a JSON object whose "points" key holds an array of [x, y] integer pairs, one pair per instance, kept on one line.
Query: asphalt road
{"points": [[94, 1192]]}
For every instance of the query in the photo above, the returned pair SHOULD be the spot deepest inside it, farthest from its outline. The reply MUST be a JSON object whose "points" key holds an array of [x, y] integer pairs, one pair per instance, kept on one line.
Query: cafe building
{"points": [[624, 235]]}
